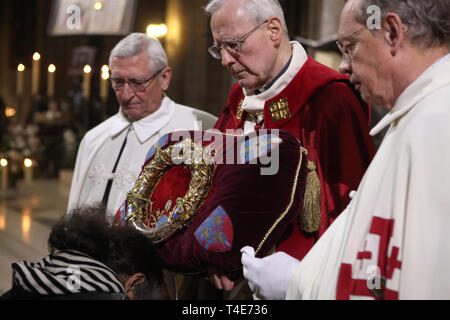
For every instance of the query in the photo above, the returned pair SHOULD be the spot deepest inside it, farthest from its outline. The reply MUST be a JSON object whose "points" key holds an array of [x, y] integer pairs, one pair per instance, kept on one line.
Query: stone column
{"points": [[323, 23], [324, 18], [198, 80]]}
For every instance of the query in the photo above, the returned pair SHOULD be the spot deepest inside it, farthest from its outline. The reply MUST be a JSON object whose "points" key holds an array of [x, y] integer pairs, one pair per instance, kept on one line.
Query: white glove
{"points": [[268, 278]]}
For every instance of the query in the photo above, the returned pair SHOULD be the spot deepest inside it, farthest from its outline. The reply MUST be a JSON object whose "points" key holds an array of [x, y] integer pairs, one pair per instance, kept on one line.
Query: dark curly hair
{"points": [[124, 250], [83, 229], [132, 252]]}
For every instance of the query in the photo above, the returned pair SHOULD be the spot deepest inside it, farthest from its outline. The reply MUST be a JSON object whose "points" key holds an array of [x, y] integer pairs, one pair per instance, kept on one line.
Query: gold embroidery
{"points": [[247, 116], [168, 205], [205, 234], [153, 219], [253, 116], [279, 110], [218, 237], [217, 221], [240, 111]]}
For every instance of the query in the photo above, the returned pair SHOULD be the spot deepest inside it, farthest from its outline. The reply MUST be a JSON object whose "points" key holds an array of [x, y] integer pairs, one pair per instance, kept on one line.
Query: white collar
{"points": [[146, 127], [253, 103], [431, 80]]}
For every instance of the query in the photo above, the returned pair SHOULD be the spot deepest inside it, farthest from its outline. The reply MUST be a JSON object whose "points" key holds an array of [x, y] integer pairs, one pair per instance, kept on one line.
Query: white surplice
{"points": [[396, 225], [100, 147]]}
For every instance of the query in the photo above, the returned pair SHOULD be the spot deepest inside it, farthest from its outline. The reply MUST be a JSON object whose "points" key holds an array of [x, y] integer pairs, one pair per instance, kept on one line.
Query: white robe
{"points": [[100, 147], [397, 224]]}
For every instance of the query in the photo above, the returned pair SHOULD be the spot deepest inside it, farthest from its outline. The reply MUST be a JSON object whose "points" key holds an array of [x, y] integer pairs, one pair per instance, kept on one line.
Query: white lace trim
{"points": [[123, 176]]}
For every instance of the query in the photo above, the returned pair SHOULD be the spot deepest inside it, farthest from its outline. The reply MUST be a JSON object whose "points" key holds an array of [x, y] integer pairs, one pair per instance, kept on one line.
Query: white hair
{"points": [[135, 43], [258, 10]]}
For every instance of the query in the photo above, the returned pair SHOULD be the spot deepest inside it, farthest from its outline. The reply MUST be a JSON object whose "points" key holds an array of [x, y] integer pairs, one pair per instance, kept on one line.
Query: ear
{"points": [[394, 32], [131, 284], [166, 76], [275, 28]]}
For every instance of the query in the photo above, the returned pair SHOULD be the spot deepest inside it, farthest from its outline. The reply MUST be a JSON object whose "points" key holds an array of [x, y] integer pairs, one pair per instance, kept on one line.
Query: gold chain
{"points": [[291, 201]]}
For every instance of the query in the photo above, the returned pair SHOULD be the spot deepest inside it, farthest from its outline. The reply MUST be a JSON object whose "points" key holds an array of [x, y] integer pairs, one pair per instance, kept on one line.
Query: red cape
{"points": [[332, 123]]}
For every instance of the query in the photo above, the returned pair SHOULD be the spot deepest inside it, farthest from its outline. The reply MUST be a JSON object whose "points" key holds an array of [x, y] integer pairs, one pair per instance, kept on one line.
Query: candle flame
{"points": [[27, 162], [36, 56], [105, 68], [98, 5], [10, 112], [21, 68], [3, 162], [156, 30], [51, 68], [2, 222], [87, 69]]}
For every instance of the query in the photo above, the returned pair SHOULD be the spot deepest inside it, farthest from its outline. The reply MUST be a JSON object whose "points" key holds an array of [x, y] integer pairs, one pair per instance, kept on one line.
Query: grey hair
{"points": [[258, 10], [135, 43], [428, 21]]}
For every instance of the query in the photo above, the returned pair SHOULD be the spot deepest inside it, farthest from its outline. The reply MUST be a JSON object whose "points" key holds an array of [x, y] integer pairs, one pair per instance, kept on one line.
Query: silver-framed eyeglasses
{"points": [[135, 84], [233, 46], [347, 50]]}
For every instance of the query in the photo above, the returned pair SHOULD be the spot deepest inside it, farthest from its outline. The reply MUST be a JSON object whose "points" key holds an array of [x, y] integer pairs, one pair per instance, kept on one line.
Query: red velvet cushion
{"points": [[242, 206]]}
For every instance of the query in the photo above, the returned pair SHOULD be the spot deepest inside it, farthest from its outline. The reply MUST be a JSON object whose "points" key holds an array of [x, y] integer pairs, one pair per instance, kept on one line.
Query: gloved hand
{"points": [[268, 278]]}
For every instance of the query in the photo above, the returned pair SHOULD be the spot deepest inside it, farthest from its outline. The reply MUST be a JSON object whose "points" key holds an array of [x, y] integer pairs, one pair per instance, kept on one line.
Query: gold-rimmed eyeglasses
{"points": [[233, 46], [347, 50], [135, 84]]}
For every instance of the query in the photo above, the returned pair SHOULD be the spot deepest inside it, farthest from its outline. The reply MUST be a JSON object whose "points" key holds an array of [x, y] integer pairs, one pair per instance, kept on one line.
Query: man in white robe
{"points": [[392, 241], [140, 75]]}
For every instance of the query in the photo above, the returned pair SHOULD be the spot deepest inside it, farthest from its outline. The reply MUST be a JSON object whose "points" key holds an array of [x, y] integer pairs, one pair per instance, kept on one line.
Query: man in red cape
{"points": [[280, 87]]}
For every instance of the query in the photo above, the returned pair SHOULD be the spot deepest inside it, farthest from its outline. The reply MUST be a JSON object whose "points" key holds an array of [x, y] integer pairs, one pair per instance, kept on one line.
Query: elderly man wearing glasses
{"points": [[110, 155], [280, 87], [392, 241]]}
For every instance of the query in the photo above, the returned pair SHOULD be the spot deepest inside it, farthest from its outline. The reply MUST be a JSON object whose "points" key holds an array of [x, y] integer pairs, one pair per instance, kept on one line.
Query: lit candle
{"points": [[2, 221], [28, 171], [35, 72], [98, 5], [157, 30], [4, 168], [10, 111], [19, 84], [87, 82], [104, 83], [51, 81]]}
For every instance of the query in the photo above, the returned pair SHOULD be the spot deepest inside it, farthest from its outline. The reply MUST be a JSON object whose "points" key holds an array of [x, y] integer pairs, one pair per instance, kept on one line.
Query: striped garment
{"points": [[65, 273]]}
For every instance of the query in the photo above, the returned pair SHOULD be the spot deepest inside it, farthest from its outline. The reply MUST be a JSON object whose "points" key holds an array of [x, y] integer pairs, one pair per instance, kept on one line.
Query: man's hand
{"points": [[268, 277], [219, 280]]}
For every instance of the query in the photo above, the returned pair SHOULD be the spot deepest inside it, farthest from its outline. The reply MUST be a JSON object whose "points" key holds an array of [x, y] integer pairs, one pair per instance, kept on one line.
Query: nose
{"points": [[227, 58], [345, 66], [127, 92]]}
